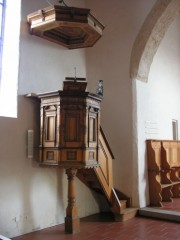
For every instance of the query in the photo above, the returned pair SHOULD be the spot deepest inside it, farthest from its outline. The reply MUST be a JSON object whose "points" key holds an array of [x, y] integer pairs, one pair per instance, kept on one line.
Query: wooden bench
{"points": [[163, 170]]}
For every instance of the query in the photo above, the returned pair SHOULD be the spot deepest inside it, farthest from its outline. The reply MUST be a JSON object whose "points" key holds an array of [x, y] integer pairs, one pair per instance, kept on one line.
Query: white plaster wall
{"points": [[31, 197], [158, 100], [44, 65], [109, 60]]}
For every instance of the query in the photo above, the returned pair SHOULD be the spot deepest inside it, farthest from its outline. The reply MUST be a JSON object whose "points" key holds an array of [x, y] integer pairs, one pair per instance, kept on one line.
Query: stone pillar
{"points": [[71, 219]]}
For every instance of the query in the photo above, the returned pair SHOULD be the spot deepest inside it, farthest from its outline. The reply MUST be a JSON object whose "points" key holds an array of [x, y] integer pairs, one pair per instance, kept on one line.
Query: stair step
{"points": [[126, 214], [123, 204], [160, 214]]}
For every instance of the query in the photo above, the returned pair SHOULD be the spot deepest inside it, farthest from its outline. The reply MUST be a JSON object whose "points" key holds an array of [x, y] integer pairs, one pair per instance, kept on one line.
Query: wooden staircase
{"points": [[100, 179]]}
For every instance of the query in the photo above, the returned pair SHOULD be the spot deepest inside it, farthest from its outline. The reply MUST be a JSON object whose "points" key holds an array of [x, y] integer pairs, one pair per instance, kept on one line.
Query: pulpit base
{"points": [[72, 225]]}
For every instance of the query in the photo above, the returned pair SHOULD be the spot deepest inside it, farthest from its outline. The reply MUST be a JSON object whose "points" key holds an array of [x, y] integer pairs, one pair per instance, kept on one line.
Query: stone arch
{"points": [[152, 32]]}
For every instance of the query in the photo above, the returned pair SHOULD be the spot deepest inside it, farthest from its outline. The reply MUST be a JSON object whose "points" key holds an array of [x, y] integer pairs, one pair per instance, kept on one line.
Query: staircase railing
{"points": [[104, 172], [101, 179]]}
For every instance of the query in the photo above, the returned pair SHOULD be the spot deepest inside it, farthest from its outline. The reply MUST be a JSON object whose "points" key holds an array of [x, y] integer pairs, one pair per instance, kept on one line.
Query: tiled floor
{"points": [[172, 206], [102, 227], [169, 211]]}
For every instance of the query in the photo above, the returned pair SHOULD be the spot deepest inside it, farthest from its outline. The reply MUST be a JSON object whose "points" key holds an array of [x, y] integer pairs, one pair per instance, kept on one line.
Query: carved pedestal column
{"points": [[72, 219]]}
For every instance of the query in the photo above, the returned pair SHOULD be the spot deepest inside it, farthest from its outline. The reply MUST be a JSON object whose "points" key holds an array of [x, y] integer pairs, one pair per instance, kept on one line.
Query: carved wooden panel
{"points": [[49, 156], [72, 127], [169, 154], [49, 127], [93, 126], [154, 154]]}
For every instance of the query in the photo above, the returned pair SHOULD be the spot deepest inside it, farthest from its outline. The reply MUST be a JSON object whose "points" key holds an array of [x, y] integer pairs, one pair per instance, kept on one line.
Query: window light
{"points": [[10, 60]]}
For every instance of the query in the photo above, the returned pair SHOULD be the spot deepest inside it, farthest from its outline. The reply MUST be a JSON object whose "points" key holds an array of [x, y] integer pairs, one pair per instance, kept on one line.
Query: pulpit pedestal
{"points": [[71, 219]]}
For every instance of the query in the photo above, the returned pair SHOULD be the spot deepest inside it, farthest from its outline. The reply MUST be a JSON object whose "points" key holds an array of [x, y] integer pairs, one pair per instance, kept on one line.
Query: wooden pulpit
{"points": [[69, 135]]}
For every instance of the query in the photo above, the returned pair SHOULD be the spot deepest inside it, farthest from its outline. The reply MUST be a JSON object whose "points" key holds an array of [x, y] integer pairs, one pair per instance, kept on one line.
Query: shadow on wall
{"points": [[31, 196]]}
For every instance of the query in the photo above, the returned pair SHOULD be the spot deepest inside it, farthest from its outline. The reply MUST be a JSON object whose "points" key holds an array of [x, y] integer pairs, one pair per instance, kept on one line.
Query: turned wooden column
{"points": [[71, 219]]}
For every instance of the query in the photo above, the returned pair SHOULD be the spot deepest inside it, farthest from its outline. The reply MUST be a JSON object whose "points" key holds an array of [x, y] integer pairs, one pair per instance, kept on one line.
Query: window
{"points": [[10, 21], [2, 13]]}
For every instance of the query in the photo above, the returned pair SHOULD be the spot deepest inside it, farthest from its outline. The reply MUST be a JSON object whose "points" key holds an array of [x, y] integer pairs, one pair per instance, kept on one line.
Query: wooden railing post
{"points": [[72, 219]]}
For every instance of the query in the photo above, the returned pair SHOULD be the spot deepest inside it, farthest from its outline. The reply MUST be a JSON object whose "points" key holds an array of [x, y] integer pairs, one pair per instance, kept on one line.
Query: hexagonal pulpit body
{"points": [[80, 123], [68, 26], [69, 126]]}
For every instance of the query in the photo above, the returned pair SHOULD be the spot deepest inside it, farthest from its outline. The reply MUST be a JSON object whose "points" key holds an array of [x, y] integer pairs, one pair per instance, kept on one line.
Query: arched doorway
{"points": [[150, 36]]}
